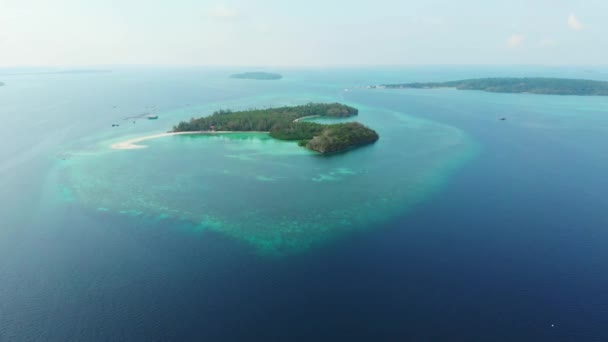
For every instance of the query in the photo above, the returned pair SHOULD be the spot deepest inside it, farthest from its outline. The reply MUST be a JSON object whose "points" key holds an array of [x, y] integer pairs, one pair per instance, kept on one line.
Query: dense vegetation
{"points": [[258, 76], [282, 124], [340, 137], [548, 86], [264, 120]]}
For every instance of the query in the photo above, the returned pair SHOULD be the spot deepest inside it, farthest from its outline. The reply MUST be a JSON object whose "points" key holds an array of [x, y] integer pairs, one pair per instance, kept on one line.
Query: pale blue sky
{"points": [[302, 33]]}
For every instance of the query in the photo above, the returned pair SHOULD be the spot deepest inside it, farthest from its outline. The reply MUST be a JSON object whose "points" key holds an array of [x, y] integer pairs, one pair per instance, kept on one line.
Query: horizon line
{"points": [[295, 66]]}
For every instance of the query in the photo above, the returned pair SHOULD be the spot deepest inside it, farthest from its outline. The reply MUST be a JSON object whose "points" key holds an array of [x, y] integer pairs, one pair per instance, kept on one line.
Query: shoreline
{"points": [[306, 117], [132, 144]]}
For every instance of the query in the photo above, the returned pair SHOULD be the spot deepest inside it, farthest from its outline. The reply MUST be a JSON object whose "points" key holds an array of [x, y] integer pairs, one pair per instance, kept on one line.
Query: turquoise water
{"points": [[453, 226], [272, 194]]}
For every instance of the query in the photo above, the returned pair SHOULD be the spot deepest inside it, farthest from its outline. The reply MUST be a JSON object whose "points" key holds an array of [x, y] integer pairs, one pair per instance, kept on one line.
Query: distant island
{"points": [[284, 123], [532, 85], [263, 76]]}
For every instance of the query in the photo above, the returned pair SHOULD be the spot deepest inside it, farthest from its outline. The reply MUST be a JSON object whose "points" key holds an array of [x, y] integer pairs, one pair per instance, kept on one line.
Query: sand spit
{"points": [[133, 144]]}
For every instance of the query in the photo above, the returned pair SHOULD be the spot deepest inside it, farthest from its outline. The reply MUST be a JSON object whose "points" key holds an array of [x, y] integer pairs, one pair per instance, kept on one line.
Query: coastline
{"points": [[306, 117], [132, 144]]}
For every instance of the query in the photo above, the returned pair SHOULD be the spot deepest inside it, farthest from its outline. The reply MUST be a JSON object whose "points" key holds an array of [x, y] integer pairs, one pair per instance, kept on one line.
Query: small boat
{"points": [[153, 117]]}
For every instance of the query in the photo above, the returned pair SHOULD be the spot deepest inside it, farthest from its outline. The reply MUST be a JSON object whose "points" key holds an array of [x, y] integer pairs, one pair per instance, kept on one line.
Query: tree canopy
{"points": [[282, 124]]}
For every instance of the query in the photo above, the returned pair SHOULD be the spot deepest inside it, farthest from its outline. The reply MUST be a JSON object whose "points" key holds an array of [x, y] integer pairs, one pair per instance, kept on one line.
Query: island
{"points": [[532, 85], [262, 76], [284, 123]]}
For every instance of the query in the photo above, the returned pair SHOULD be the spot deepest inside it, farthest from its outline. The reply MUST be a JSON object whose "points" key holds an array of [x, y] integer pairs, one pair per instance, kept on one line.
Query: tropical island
{"points": [[532, 85], [262, 76], [284, 123]]}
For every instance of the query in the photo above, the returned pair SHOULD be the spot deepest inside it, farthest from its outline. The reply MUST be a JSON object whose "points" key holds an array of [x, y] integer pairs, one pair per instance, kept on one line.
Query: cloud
{"points": [[574, 23], [515, 41], [223, 12], [548, 42]]}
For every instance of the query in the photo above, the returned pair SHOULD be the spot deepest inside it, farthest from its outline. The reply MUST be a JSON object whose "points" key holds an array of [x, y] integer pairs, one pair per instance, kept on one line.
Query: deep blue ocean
{"points": [[505, 240]]}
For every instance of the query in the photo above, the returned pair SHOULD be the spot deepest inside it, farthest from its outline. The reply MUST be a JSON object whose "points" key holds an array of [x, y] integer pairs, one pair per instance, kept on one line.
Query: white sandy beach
{"points": [[306, 117], [132, 144]]}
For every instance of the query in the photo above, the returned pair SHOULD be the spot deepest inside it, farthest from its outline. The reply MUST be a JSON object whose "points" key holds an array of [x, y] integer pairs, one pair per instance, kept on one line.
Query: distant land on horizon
{"points": [[258, 75], [532, 85], [48, 71]]}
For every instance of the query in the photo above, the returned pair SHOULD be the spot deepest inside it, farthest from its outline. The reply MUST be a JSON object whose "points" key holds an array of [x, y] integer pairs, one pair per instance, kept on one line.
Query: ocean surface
{"points": [[454, 226]]}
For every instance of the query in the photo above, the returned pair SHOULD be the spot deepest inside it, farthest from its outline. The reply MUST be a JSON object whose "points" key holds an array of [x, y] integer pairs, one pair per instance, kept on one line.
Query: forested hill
{"points": [[281, 124], [539, 85], [263, 119]]}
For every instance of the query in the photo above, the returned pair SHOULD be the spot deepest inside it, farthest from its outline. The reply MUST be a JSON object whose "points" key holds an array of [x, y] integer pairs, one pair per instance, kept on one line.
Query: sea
{"points": [[476, 216]]}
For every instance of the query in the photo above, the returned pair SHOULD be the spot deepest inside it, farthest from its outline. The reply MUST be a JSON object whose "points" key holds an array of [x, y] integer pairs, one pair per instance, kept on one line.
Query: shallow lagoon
{"points": [[272, 194]]}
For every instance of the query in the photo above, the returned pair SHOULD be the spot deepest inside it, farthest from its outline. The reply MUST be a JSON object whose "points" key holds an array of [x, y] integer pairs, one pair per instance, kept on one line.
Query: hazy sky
{"points": [[300, 33]]}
